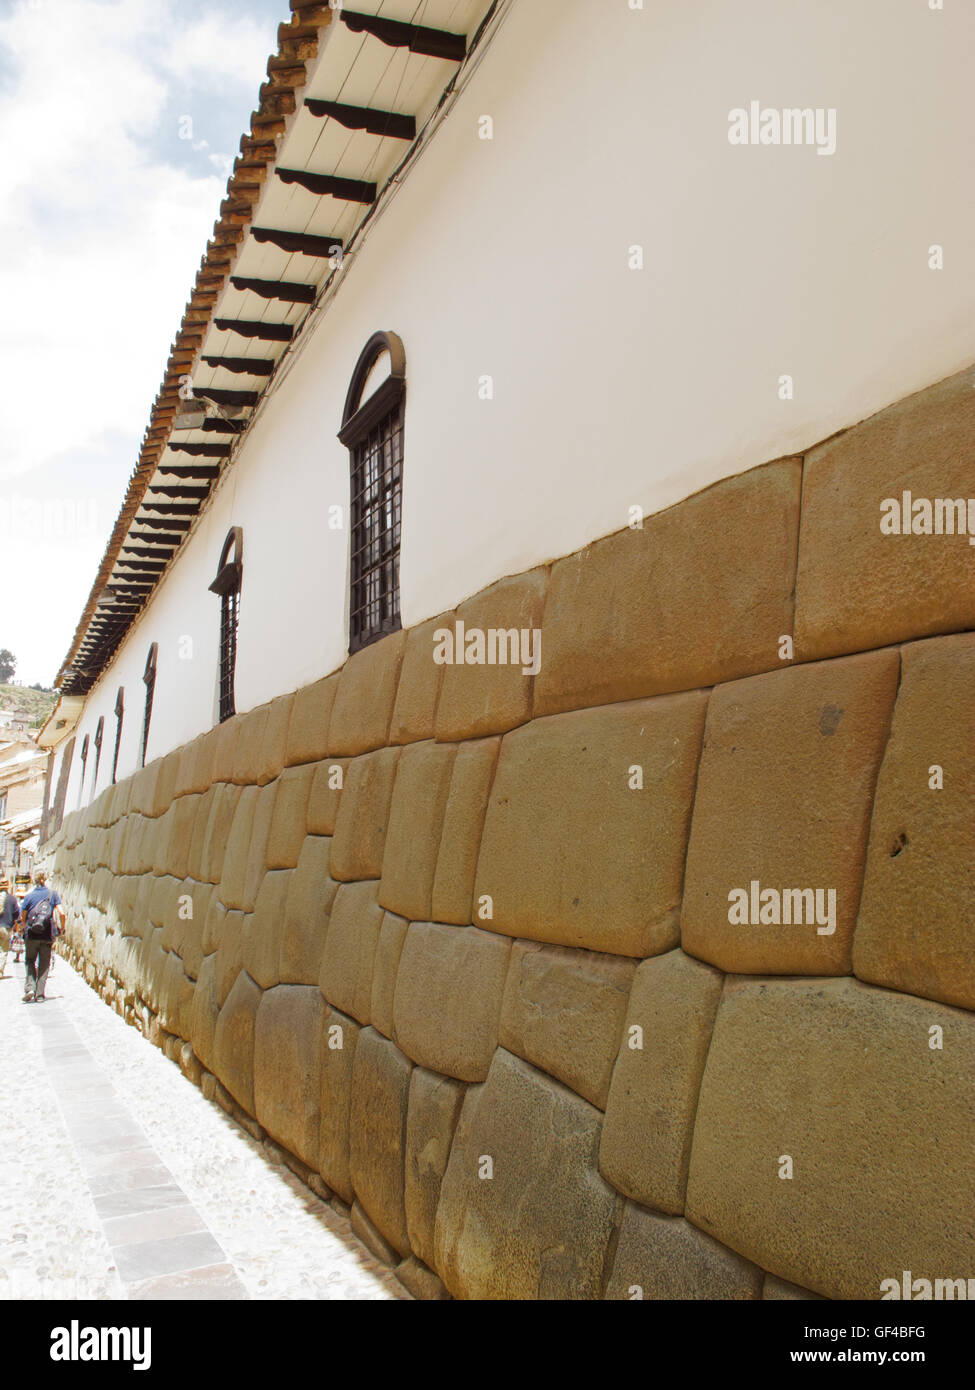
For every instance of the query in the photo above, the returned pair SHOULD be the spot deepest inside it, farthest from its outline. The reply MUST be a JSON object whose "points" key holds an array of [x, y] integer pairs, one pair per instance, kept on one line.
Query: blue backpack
{"points": [[40, 919]]}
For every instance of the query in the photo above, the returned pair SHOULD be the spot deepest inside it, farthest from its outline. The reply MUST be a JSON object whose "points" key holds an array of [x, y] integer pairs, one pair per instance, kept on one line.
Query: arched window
{"points": [[99, 735], [227, 585], [149, 676], [372, 431], [119, 712], [84, 764]]}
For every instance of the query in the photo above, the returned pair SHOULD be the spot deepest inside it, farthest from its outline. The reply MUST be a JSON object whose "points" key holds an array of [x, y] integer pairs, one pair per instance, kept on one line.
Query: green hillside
{"points": [[39, 703]]}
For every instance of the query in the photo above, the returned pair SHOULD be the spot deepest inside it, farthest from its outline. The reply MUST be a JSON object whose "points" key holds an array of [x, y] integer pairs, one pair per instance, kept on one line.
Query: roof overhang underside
{"points": [[347, 100]]}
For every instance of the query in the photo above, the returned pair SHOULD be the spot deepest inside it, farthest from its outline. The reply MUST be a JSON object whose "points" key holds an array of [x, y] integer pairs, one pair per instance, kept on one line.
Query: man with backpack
{"points": [[42, 916]]}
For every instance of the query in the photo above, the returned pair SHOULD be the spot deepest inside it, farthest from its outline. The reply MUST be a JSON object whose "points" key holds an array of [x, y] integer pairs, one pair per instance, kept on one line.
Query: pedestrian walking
{"points": [[43, 917], [9, 913]]}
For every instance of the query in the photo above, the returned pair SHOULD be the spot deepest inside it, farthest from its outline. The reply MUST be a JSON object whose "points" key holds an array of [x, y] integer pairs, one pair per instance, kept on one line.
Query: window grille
{"points": [[149, 677], [84, 765], [99, 734], [373, 433], [227, 585], [119, 712]]}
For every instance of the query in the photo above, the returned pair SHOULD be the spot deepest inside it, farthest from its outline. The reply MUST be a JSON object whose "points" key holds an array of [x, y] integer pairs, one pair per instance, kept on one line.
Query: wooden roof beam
{"points": [[253, 328], [288, 291], [328, 185], [243, 366], [432, 43], [388, 123], [301, 243]]}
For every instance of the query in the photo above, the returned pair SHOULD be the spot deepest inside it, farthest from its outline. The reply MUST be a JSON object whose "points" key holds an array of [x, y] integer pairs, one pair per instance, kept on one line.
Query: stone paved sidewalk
{"points": [[121, 1181]]}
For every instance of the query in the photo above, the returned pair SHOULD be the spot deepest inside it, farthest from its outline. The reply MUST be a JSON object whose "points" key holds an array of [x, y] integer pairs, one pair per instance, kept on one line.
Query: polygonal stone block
{"points": [[524, 1144], [234, 1041], [249, 751], [377, 1134], [364, 700], [484, 697], [646, 1143], [230, 954], [915, 930], [413, 836], [217, 832], [350, 949], [664, 1257], [790, 762], [464, 970], [460, 840], [586, 827], [360, 828], [648, 611], [434, 1109], [308, 727], [563, 1011], [325, 795], [415, 709], [309, 901], [261, 942], [287, 1067], [856, 586], [340, 1036], [847, 1082], [275, 738], [389, 948], [287, 833]]}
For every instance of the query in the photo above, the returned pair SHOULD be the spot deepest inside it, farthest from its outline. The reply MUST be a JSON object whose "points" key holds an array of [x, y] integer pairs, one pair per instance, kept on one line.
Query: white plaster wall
{"points": [[612, 386]]}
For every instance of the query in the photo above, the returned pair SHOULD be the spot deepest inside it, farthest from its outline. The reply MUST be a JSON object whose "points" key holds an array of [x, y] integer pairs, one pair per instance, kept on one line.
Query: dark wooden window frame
{"points": [[373, 429], [84, 766], [227, 584], [99, 735], [119, 716], [149, 678]]}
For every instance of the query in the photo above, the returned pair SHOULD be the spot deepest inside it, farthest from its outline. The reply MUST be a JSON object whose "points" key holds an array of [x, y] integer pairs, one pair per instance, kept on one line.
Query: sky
{"points": [[119, 122]]}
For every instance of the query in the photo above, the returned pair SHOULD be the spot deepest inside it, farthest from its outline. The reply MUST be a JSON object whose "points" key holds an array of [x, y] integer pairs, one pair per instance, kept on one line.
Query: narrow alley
{"points": [[123, 1181]]}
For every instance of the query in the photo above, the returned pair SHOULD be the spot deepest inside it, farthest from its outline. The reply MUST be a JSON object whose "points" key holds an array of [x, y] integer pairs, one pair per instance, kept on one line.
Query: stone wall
{"points": [[459, 939]]}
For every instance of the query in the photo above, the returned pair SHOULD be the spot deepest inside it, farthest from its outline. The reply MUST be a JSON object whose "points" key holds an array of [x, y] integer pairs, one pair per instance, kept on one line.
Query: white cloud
{"points": [[101, 232]]}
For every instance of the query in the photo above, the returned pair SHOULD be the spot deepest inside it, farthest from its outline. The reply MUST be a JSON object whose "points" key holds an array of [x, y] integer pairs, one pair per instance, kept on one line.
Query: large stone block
{"points": [[230, 954], [541, 1142], [288, 1066], [205, 771], [340, 1037], [198, 843], [434, 1109], [249, 752], [360, 828], [646, 1143], [205, 1012], [257, 850], [783, 802], [310, 896], [563, 1010], [182, 831], [389, 948], [164, 789], [856, 586], [463, 970], [234, 868], [485, 697], [880, 1127], [308, 727], [325, 795], [192, 911], [275, 740], [213, 926], [216, 835], [666, 1258], [377, 1134], [915, 930], [234, 1041], [415, 823], [263, 929], [290, 810], [364, 700], [463, 822], [225, 754], [644, 612], [420, 678], [573, 852], [350, 949]]}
